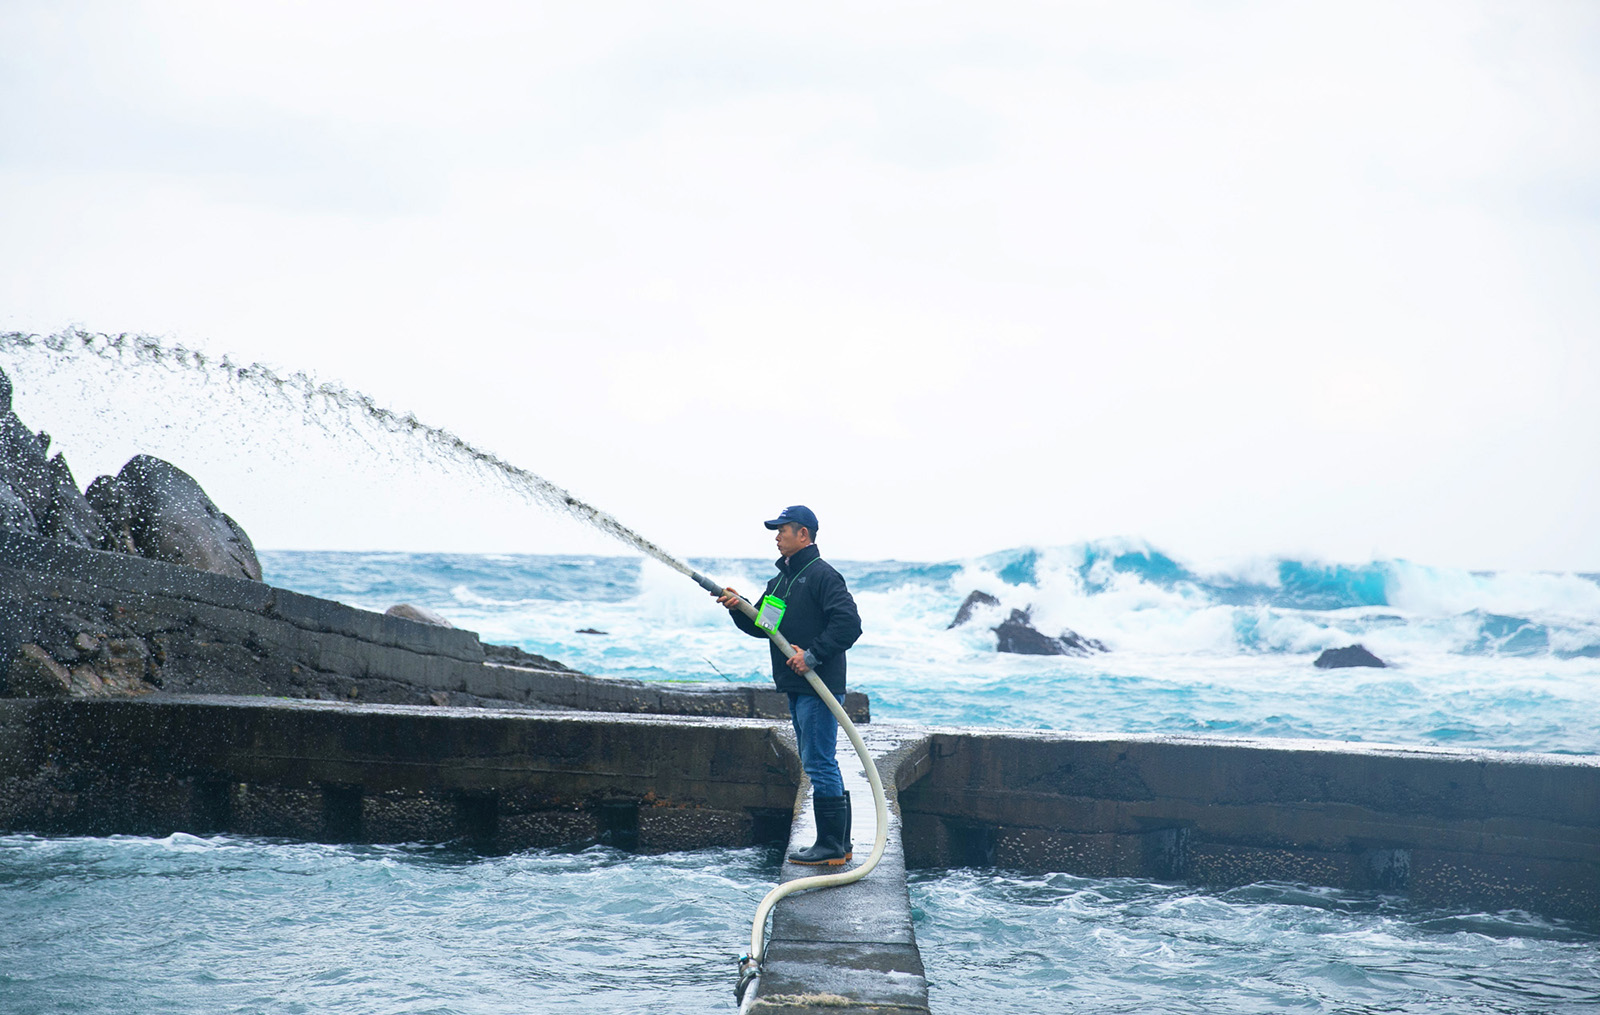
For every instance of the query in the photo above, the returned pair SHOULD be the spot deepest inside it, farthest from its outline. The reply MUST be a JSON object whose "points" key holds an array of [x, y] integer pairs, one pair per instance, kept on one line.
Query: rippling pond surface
{"points": [[1009, 943], [230, 925], [227, 925]]}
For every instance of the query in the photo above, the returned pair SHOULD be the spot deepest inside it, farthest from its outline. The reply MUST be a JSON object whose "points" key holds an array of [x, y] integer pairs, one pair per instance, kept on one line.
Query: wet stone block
{"points": [[1553, 887], [210, 806], [1166, 854], [1387, 870], [1093, 855], [543, 829], [619, 823], [1212, 864], [290, 812], [477, 819], [662, 829], [408, 816], [341, 814]]}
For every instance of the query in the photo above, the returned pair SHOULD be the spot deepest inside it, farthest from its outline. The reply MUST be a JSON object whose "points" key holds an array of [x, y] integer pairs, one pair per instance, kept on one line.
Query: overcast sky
{"points": [[1235, 278]]}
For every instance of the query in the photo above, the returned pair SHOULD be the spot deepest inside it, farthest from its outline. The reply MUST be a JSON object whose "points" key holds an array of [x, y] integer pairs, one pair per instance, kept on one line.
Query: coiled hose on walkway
{"points": [[750, 963]]}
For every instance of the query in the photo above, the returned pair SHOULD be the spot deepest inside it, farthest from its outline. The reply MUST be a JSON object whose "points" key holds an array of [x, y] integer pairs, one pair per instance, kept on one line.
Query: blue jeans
{"points": [[817, 732]]}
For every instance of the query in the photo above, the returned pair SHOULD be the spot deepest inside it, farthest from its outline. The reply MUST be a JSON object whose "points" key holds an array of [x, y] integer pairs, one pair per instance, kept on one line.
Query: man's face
{"points": [[790, 538]]}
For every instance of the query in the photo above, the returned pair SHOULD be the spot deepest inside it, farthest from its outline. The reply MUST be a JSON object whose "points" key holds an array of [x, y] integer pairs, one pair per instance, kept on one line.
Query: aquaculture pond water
{"points": [[1007, 943], [227, 925]]}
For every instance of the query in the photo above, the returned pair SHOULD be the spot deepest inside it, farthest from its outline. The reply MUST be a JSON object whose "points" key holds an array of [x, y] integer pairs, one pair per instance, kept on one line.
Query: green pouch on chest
{"points": [[770, 613]]}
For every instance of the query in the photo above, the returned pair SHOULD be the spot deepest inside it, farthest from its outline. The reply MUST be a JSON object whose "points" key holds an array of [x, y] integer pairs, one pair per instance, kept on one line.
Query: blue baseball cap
{"points": [[799, 514]]}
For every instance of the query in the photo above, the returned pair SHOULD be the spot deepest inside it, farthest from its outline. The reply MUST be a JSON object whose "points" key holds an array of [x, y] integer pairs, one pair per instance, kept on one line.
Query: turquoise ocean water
{"points": [[1504, 661]]}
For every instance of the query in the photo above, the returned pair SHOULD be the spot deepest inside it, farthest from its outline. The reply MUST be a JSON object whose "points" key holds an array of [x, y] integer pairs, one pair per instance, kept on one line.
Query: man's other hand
{"points": [[797, 662], [729, 598]]}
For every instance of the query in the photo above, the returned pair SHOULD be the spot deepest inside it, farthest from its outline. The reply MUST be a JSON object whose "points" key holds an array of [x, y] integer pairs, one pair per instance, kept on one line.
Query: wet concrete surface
{"points": [[852, 941]]}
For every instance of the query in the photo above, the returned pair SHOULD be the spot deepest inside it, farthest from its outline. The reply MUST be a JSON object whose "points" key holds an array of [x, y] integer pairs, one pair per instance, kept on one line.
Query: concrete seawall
{"points": [[495, 780], [1444, 827], [110, 621]]}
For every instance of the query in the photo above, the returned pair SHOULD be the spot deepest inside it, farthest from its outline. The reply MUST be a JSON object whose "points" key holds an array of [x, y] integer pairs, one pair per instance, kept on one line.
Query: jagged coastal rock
{"points": [[974, 600], [151, 508], [172, 519], [1017, 634], [1350, 655]]}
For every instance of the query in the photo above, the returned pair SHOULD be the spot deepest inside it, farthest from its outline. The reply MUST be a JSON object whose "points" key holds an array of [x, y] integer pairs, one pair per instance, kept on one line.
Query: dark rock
{"points": [[172, 519], [24, 467], [510, 655], [1077, 644], [69, 517], [420, 614], [1017, 634], [5, 392], [974, 600], [41, 484], [590, 630], [33, 674], [14, 514], [109, 498], [1350, 655]]}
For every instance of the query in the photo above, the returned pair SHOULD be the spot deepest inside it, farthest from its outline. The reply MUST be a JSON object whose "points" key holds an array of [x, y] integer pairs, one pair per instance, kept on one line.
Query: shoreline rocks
{"points": [[151, 508], [1349, 656], [1016, 634], [974, 600]]}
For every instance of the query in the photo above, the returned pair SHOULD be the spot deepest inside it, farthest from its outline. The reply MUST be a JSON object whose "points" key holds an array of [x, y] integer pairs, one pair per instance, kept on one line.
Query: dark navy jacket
{"points": [[820, 617]]}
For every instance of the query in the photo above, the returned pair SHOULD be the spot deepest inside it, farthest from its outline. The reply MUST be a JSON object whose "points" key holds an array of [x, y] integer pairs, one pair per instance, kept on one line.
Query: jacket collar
{"points": [[800, 559]]}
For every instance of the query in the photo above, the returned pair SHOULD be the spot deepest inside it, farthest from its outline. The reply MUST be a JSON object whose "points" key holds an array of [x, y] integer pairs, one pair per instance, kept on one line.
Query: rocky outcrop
{"points": [[420, 614], [24, 469], [69, 517], [1017, 634], [172, 519], [14, 514], [109, 499], [974, 600], [1350, 655], [151, 508], [120, 625], [114, 667]]}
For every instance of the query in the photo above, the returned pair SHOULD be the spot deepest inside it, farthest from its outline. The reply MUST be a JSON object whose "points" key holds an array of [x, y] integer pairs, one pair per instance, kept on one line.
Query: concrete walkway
{"points": [[849, 949]]}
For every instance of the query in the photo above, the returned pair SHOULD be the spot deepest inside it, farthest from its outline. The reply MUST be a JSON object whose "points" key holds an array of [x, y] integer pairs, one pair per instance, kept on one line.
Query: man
{"points": [[815, 612]]}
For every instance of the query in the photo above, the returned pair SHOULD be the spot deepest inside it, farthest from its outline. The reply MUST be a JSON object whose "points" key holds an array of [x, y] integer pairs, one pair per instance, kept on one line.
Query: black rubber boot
{"points": [[849, 819], [833, 833]]}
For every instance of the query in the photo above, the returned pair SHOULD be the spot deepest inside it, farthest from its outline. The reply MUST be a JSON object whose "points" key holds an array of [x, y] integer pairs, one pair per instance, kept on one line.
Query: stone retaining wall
{"points": [[110, 623], [496, 780], [1450, 827]]}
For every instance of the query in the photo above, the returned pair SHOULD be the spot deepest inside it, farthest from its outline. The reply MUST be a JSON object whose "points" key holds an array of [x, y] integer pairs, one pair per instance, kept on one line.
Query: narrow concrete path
{"points": [[849, 949]]}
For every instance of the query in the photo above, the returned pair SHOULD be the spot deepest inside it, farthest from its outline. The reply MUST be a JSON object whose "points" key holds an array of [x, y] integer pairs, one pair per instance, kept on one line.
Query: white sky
{"points": [[1237, 278]]}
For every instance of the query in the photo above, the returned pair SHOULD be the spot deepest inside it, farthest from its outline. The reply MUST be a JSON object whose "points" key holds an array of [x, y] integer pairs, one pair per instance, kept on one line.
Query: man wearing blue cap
{"points": [[807, 602]]}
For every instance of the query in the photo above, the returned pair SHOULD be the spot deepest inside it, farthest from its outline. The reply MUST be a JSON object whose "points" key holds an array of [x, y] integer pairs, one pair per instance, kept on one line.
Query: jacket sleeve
{"points": [[747, 625], [841, 623]]}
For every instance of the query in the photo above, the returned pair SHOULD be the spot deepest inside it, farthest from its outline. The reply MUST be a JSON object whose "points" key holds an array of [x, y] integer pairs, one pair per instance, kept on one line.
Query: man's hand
{"points": [[728, 598], [797, 662]]}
